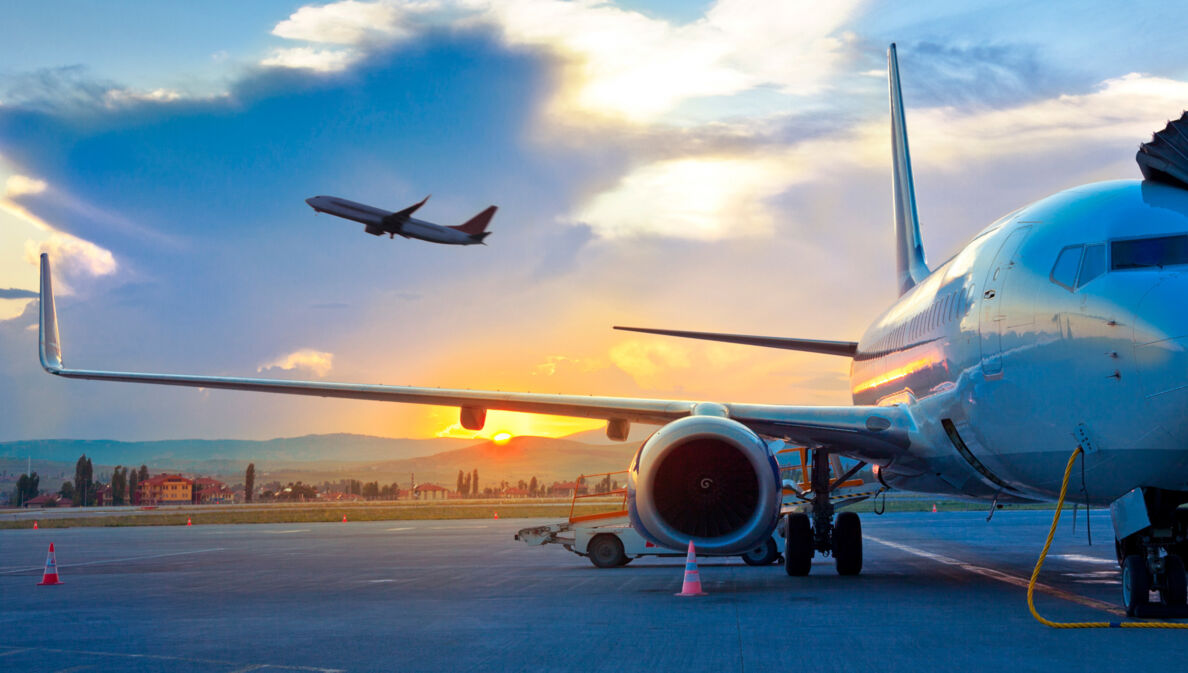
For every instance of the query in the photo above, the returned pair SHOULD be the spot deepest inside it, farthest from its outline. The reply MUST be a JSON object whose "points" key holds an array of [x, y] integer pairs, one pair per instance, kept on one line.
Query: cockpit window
{"points": [[1143, 253], [1064, 272], [1093, 264]]}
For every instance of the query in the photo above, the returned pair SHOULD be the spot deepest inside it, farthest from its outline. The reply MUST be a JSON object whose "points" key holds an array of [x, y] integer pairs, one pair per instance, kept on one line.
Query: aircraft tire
{"points": [[798, 545], [606, 551], [763, 555], [1136, 583], [1176, 582], [847, 543]]}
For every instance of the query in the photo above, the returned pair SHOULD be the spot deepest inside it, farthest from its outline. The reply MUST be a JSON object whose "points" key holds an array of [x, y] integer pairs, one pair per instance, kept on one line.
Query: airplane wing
{"points": [[407, 212], [874, 434]]}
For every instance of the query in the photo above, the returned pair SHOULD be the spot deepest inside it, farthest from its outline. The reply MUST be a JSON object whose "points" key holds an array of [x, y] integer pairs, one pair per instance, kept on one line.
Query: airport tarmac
{"points": [[938, 592]]}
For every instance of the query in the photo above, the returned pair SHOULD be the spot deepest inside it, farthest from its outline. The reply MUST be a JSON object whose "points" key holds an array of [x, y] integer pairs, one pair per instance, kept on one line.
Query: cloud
{"points": [[73, 257], [347, 22], [646, 362], [703, 198], [618, 63], [310, 58], [15, 293], [555, 362], [307, 359], [20, 185]]}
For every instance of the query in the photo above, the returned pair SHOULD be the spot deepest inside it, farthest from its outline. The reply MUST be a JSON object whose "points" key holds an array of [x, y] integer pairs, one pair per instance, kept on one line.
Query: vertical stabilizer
{"points": [[909, 251], [51, 351]]}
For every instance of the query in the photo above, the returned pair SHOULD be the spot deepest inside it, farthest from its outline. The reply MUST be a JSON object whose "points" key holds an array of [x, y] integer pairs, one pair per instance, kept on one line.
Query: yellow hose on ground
{"points": [[1040, 564]]}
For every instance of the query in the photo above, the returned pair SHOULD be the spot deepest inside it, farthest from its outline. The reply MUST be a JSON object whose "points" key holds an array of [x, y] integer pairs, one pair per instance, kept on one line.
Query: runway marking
{"points": [[188, 660], [1083, 559], [456, 527], [16, 651], [10, 571], [392, 530], [72, 669], [1003, 577], [285, 532]]}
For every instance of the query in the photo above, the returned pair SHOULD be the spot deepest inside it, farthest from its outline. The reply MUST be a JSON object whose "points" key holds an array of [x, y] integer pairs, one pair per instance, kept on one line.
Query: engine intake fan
{"points": [[708, 479]]}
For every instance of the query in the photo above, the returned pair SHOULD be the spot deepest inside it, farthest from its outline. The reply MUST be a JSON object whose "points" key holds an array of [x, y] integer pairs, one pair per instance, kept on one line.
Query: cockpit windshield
{"points": [[1142, 253]]}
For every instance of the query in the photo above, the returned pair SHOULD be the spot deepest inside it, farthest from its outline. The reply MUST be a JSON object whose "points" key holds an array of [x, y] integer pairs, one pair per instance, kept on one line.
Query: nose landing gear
{"points": [[1151, 557]]}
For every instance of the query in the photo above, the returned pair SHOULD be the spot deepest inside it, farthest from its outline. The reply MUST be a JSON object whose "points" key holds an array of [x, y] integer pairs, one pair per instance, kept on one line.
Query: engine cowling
{"points": [[708, 479]]}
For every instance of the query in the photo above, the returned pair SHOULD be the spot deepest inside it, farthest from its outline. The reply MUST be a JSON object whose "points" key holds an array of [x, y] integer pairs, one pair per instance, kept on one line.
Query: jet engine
{"points": [[708, 479]]}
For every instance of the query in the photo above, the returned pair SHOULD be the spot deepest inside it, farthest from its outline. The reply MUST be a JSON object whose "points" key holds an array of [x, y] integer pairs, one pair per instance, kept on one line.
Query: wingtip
{"points": [[49, 344]]}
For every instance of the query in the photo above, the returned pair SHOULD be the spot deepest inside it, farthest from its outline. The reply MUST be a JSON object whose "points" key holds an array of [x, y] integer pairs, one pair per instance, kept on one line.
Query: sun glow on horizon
{"points": [[516, 425], [501, 438]]}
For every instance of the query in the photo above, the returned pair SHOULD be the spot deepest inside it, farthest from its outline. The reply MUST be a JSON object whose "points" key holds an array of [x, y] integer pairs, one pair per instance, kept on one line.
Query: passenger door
{"points": [[993, 316]]}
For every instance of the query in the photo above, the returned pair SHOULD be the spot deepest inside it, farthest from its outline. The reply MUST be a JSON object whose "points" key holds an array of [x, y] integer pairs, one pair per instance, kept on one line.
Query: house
{"points": [[47, 500], [430, 492], [515, 493], [166, 489], [212, 492], [563, 488]]}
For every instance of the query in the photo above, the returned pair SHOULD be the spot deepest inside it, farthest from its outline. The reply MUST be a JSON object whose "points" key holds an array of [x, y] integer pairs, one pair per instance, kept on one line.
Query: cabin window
{"points": [[1143, 253], [1093, 264], [1064, 271]]}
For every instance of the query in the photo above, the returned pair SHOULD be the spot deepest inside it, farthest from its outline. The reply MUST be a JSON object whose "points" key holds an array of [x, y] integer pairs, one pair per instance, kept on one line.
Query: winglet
{"points": [[50, 345], [478, 223], [909, 251]]}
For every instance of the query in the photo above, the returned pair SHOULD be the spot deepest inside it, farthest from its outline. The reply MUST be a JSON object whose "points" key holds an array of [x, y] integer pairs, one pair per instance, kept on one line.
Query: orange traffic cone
{"points": [[934, 508], [344, 518], [50, 576], [34, 525], [496, 515], [692, 584], [188, 522]]}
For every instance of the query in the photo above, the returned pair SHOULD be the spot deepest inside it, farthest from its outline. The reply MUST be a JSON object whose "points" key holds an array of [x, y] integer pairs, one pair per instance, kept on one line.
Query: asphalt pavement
{"points": [[942, 591]]}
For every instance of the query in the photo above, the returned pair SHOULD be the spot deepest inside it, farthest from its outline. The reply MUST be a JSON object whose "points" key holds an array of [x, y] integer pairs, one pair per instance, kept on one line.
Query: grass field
{"points": [[558, 508], [310, 513]]}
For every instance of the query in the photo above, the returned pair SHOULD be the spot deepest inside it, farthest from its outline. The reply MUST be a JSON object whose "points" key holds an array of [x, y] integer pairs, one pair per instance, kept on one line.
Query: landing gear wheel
{"points": [[606, 551], [798, 545], [763, 555], [1136, 583], [847, 543], [1127, 547], [626, 560], [1176, 583]]}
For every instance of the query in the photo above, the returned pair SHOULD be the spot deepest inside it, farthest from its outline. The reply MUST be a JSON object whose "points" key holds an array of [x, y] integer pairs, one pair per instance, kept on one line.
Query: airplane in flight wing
{"points": [[379, 222], [1060, 325]]}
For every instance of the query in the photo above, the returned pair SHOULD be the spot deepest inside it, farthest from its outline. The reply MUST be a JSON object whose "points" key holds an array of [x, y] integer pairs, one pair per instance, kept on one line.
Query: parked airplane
{"points": [[380, 222], [1059, 325]]}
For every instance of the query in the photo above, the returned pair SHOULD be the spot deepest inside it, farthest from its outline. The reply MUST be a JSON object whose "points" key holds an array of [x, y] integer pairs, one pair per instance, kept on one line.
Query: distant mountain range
{"points": [[317, 458]]}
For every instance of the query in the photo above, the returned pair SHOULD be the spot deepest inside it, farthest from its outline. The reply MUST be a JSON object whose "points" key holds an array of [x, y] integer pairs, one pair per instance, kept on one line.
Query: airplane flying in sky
{"points": [[1060, 325], [379, 222]]}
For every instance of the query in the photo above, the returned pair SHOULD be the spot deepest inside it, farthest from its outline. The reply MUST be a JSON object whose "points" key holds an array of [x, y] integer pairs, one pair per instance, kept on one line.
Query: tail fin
{"points": [[50, 347], [909, 251], [478, 223]]}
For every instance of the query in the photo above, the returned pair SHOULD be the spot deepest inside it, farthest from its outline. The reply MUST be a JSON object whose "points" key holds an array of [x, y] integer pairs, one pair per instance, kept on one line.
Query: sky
{"points": [[720, 166]]}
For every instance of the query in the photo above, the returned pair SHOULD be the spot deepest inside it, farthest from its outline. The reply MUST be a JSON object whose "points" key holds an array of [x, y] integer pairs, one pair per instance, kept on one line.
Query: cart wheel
{"points": [[763, 555], [606, 551]]}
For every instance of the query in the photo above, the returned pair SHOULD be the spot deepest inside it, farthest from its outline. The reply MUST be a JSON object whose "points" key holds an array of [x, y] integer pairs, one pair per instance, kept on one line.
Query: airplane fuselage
{"points": [[1007, 363]]}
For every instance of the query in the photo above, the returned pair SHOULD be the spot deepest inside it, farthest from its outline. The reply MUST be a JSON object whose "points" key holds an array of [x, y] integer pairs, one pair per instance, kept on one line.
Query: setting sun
{"points": [[501, 438]]}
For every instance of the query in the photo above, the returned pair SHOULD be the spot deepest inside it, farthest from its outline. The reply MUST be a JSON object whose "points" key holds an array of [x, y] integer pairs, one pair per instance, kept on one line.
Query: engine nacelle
{"points": [[708, 479]]}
